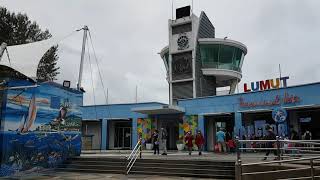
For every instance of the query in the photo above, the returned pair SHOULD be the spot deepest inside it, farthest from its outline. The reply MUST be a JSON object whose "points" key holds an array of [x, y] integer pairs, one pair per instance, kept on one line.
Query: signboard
{"points": [[279, 115], [271, 101], [266, 84]]}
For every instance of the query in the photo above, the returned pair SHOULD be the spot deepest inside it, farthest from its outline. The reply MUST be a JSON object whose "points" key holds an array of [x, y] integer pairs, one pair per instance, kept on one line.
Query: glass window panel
{"points": [[226, 54], [237, 57], [209, 55]]}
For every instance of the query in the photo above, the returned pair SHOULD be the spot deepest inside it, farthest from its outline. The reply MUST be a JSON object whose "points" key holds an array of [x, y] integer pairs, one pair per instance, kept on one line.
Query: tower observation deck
{"points": [[197, 63]]}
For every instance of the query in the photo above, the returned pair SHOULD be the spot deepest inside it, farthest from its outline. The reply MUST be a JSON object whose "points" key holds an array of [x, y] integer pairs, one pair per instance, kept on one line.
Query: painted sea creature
{"points": [[26, 123], [30, 144], [61, 116], [70, 138]]}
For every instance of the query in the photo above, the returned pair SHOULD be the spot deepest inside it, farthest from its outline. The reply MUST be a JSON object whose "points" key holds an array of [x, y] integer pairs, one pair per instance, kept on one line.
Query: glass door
{"points": [[126, 137], [220, 125], [122, 138]]}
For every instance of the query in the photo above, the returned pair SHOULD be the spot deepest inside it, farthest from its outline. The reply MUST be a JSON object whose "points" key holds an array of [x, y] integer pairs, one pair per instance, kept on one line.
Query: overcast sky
{"points": [[128, 34]]}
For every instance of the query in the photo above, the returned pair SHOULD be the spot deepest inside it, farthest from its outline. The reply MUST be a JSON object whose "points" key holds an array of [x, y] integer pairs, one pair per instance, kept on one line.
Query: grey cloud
{"points": [[128, 35]]}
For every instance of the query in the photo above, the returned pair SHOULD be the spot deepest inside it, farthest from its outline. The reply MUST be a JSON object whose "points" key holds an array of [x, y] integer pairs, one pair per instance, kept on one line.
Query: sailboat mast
{"points": [[85, 31]]}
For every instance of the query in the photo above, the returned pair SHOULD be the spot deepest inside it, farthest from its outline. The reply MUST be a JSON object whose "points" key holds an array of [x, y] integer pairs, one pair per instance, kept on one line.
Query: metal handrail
{"points": [[279, 142], [282, 161], [131, 159]]}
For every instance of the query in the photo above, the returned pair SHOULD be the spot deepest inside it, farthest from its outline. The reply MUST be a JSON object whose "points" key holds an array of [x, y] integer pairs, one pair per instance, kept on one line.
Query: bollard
{"points": [[312, 169], [140, 149], [278, 149], [239, 169], [238, 145]]}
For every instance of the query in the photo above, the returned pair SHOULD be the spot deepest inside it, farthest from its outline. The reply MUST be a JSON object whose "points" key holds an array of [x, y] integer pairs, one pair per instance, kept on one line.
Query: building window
{"points": [[182, 28], [221, 57]]}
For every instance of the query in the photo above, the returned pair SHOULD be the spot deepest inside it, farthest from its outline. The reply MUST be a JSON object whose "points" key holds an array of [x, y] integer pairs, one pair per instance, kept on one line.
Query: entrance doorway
{"points": [[214, 123], [171, 124], [120, 134], [122, 138]]}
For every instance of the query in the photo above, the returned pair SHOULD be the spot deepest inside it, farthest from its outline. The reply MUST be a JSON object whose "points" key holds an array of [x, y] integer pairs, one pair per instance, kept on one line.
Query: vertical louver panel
{"points": [[182, 90]]}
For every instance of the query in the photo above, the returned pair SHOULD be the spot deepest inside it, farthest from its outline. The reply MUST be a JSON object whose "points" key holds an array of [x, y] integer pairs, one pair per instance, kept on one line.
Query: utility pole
{"points": [[107, 96], [280, 75], [2, 49], [136, 93], [85, 31]]}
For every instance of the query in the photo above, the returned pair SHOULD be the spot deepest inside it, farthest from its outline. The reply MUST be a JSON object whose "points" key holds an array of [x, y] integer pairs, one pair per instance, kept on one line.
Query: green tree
{"points": [[18, 29], [47, 69]]}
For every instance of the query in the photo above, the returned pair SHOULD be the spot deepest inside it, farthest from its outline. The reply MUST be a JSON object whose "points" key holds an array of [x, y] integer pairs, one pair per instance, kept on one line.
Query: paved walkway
{"points": [[181, 155], [95, 176]]}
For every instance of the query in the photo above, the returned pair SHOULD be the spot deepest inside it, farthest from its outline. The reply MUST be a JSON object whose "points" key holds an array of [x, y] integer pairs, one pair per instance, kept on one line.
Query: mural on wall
{"points": [[189, 123], [41, 128], [145, 128]]}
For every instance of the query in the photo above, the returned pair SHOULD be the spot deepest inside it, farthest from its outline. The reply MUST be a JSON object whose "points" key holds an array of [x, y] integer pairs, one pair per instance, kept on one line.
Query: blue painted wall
{"points": [[308, 95], [116, 111], [46, 142]]}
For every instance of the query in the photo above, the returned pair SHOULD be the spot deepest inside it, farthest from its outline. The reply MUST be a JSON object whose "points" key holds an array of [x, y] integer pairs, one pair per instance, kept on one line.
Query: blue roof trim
{"points": [[124, 104], [252, 92], [62, 87]]}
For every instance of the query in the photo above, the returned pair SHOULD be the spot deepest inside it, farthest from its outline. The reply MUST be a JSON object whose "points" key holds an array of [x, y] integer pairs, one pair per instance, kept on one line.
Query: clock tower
{"points": [[192, 58]]}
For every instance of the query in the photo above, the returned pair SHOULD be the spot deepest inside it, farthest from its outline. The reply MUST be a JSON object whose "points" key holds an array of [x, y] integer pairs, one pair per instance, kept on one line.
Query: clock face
{"points": [[183, 42]]}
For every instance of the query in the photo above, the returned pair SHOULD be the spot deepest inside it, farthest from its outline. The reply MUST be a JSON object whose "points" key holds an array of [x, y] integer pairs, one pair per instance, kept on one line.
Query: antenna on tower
{"points": [[136, 93]]}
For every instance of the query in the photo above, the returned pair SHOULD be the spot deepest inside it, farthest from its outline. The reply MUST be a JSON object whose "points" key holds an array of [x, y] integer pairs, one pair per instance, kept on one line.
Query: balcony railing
{"points": [[221, 66]]}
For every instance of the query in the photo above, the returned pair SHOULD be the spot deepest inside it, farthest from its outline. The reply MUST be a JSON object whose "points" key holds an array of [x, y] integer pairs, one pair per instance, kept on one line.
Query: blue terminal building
{"points": [[199, 66]]}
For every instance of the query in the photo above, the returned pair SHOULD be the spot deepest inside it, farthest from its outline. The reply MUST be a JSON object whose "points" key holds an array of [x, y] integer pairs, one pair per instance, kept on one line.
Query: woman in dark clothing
{"points": [[199, 141], [270, 136], [155, 139], [188, 139]]}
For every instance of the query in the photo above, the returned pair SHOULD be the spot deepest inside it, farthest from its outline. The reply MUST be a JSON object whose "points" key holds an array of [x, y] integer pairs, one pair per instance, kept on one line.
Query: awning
{"points": [[124, 119], [255, 110], [309, 106], [25, 58], [216, 114], [302, 107], [165, 109]]}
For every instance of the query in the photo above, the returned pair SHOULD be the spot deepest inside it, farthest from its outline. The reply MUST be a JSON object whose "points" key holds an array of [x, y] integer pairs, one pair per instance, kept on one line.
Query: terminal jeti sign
{"points": [[277, 100], [267, 84]]}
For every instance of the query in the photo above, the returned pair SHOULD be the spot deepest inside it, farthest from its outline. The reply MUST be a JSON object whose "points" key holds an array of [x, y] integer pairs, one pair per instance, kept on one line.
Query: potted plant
{"points": [[180, 145], [149, 144]]}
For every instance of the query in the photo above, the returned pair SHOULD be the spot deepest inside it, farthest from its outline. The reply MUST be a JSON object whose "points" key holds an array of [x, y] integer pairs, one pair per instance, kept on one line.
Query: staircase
{"points": [[185, 168], [160, 167]]}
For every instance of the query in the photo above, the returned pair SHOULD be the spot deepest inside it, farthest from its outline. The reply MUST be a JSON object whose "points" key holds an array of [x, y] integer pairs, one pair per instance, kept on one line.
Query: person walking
{"points": [[270, 136], [188, 139], [199, 142], [155, 139], [221, 139], [164, 136], [307, 136]]}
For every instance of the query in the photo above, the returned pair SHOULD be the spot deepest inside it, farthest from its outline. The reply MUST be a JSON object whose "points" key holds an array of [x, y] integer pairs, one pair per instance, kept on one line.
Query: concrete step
{"points": [[181, 165], [88, 170], [92, 166], [184, 174], [95, 162], [192, 170], [184, 168]]}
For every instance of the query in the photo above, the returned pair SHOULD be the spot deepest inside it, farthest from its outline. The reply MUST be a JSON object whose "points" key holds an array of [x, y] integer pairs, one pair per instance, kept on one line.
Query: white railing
{"points": [[131, 159], [306, 147]]}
